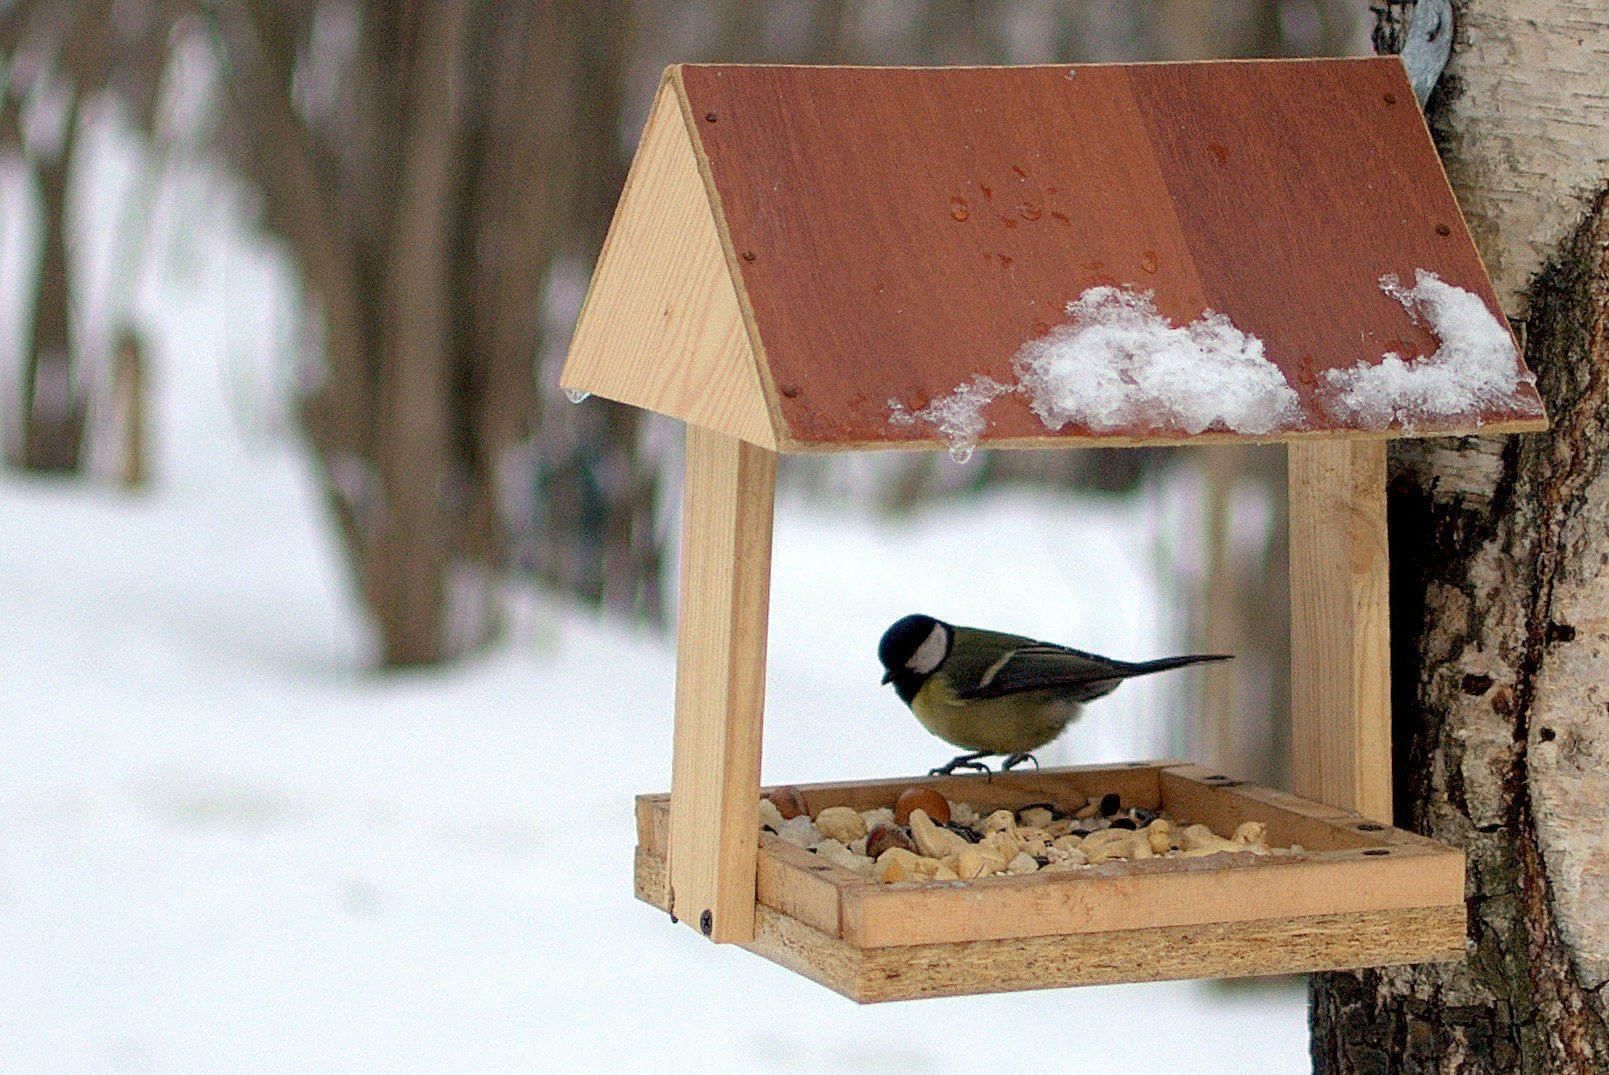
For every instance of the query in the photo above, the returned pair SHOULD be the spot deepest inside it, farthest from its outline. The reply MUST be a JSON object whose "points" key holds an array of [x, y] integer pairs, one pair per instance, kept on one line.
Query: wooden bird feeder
{"points": [[802, 253]]}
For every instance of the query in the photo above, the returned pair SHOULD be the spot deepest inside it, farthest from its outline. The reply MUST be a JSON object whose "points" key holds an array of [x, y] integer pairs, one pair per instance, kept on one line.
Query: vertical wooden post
{"points": [[1340, 625], [727, 503]]}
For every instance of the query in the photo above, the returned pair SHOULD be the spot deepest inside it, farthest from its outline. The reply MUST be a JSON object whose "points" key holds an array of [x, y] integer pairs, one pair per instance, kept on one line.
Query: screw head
{"points": [[789, 390], [748, 255], [1391, 98], [706, 923], [1442, 229], [711, 116]]}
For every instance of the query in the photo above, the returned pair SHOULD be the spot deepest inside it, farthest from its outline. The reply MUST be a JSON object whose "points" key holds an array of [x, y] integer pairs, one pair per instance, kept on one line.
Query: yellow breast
{"points": [[1009, 725]]}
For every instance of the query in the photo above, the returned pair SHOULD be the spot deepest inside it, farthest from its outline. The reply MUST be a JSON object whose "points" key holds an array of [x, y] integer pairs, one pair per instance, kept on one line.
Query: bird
{"points": [[993, 693]]}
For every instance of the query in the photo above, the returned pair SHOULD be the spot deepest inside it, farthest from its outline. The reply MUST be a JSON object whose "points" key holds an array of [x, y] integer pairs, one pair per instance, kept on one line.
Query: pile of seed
{"points": [[926, 837]]}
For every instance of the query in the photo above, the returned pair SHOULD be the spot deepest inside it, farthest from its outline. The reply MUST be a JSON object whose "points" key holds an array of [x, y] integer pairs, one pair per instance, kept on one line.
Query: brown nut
{"points": [[788, 801], [883, 837], [927, 800], [1035, 817]]}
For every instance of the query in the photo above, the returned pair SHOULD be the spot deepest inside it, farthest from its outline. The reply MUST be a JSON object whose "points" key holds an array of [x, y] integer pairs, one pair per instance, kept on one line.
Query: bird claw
{"points": [[1017, 759], [962, 761]]}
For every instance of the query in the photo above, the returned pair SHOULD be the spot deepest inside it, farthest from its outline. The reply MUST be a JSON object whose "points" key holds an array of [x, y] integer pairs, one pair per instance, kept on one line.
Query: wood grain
{"points": [[1136, 784], [1350, 865], [1340, 626], [661, 327], [1152, 893], [727, 503], [1220, 950], [901, 230]]}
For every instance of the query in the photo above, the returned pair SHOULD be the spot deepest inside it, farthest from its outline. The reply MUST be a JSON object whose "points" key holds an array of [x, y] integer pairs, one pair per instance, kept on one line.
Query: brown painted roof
{"points": [[895, 232]]}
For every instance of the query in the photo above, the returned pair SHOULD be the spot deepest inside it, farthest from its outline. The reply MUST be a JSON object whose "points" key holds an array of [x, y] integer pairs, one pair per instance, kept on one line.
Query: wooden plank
{"points": [[1224, 806], [1350, 865], [1041, 442], [787, 878], [661, 327], [1191, 792], [799, 884], [1221, 950], [727, 503], [912, 228], [1229, 950], [1136, 784], [1340, 627], [1114, 897]]}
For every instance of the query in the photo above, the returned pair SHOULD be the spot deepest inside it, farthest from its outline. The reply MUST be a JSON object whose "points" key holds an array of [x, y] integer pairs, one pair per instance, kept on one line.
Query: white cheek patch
{"points": [[930, 654]]}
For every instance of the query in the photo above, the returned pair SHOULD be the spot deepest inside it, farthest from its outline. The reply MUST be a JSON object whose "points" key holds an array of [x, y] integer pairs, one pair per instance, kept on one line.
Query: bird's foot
{"points": [[963, 761], [1017, 759]]}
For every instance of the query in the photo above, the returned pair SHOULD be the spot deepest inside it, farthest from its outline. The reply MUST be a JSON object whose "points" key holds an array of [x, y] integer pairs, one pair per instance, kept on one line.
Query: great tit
{"points": [[995, 693]]}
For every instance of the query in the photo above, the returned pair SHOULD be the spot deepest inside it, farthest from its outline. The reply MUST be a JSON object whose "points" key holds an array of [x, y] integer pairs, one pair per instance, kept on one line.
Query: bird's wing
{"points": [[1042, 665]]}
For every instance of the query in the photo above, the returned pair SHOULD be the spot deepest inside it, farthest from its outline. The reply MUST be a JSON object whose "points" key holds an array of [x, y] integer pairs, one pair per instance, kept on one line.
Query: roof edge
{"points": [[734, 269]]}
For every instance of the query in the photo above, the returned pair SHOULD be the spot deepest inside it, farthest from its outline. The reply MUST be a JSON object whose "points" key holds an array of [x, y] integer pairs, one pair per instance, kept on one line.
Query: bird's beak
{"points": [[888, 677]]}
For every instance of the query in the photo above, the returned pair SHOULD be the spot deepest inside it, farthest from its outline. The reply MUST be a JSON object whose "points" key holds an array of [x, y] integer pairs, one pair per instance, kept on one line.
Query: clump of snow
{"points": [[1119, 363], [1475, 367], [958, 416]]}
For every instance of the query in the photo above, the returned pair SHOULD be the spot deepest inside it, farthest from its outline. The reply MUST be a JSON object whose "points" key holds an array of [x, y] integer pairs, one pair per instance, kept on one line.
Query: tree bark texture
{"points": [[1500, 593], [71, 54], [455, 150], [52, 410]]}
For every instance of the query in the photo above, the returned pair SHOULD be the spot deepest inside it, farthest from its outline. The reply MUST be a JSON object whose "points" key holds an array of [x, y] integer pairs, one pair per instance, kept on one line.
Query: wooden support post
{"points": [[1340, 626], [720, 683]]}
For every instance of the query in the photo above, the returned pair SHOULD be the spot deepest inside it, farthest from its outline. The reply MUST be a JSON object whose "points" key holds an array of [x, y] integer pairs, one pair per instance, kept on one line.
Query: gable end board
{"points": [[661, 327]]}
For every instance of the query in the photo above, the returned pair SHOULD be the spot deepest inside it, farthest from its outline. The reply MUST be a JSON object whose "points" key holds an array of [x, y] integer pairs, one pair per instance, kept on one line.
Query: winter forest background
{"points": [[335, 638]]}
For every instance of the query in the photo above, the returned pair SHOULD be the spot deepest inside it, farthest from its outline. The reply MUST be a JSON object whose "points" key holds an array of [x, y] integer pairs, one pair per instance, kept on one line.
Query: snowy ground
{"points": [[226, 847], [223, 847]]}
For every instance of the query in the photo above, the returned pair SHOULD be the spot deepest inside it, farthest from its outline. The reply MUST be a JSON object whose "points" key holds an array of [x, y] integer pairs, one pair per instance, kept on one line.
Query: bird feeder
{"points": [[814, 259]]}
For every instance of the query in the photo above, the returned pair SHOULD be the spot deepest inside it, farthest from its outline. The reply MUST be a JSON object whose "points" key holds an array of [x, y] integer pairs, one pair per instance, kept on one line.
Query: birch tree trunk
{"points": [[1500, 591]]}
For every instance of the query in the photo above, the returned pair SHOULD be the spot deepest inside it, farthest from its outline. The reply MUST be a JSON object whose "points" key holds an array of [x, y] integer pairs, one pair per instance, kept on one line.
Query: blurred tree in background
{"points": [[442, 173], [63, 59]]}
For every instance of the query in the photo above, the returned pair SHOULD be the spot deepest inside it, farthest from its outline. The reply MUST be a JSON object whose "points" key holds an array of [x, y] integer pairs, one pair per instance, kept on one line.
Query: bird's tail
{"points": [[1163, 664]]}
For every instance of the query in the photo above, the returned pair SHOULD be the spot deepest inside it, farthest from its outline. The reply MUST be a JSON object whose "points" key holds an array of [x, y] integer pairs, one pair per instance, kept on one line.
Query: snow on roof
{"points": [[1476, 367], [1119, 362]]}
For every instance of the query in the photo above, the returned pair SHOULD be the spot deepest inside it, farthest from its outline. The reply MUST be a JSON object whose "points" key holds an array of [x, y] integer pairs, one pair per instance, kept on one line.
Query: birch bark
{"points": [[1500, 591]]}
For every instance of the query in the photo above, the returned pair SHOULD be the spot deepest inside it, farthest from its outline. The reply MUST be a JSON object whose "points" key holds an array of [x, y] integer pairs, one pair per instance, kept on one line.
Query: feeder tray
{"points": [[1359, 894], [803, 255]]}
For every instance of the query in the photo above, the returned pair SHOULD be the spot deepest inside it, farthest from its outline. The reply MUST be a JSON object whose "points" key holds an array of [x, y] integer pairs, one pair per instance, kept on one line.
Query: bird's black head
{"points": [[911, 650]]}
